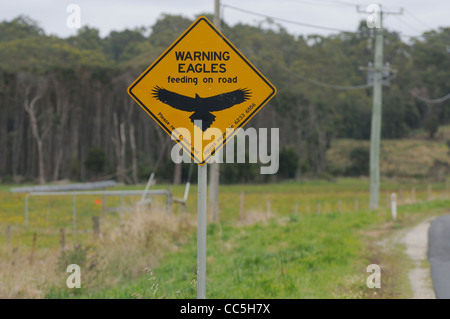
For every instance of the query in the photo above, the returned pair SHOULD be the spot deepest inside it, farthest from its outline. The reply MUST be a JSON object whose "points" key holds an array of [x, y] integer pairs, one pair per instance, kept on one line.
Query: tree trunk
{"points": [[30, 108], [57, 165], [41, 160], [134, 166], [3, 145], [16, 145], [62, 110], [119, 141], [177, 174]]}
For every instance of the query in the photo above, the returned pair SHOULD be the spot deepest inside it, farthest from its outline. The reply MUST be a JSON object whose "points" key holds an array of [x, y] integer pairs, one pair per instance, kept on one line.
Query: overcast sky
{"points": [[418, 15]]}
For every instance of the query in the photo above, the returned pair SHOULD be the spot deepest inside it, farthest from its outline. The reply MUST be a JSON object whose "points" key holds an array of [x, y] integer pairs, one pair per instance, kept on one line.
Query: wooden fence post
{"points": [[96, 226], [446, 188], [104, 205], [387, 199], [48, 214], [33, 248], [241, 206], [8, 234], [394, 206], [63, 239]]}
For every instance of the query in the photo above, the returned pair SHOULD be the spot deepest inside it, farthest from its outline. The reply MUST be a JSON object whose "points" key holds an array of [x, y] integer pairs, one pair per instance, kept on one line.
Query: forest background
{"points": [[65, 113]]}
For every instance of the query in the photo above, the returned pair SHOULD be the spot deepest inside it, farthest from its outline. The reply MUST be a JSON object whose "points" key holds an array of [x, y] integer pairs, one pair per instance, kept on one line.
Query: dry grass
{"points": [[412, 158], [26, 274], [140, 241], [251, 217], [122, 253]]}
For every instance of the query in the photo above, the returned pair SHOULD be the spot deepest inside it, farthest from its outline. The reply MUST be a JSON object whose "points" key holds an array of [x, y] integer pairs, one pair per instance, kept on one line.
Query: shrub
{"points": [[96, 161], [359, 158], [289, 162], [83, 256]]}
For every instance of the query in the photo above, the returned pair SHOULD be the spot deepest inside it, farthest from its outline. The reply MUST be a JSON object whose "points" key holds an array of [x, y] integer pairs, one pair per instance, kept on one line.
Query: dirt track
{"points": [[415, 240]]}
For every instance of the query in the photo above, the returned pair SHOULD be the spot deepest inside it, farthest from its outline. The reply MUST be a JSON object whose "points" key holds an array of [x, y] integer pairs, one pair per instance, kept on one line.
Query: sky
{"points": [[52, 15]]}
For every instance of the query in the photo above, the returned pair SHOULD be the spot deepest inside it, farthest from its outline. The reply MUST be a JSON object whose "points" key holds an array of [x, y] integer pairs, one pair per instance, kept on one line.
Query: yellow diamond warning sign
{"points": [[201, 90]]}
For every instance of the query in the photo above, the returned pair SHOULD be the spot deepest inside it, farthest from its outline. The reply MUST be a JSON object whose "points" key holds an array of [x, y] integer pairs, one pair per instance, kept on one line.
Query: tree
{"points": [[123, 45], [19, 28], [72, 92]]}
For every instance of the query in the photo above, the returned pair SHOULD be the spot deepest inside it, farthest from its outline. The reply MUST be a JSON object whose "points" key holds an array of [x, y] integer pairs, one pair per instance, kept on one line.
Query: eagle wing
{"points": [[226, 100], [175, 100]]}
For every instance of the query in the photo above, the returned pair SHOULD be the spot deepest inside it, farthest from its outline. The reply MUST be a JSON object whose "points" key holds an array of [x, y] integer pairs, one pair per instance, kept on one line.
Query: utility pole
{"points": [[375, 132], [214, 172]]}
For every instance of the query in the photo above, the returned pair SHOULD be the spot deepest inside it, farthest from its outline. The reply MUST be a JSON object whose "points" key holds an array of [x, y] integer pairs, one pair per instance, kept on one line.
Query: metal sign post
{"points": [[201, 232]]}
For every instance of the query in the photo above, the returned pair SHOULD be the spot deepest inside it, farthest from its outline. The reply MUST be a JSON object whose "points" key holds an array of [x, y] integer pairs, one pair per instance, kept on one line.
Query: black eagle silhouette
{"points": [[201, 106]]}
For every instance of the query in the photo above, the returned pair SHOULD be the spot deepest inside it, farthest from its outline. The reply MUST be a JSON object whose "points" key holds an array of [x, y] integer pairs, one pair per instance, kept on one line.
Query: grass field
{"points": [[294, 240]]}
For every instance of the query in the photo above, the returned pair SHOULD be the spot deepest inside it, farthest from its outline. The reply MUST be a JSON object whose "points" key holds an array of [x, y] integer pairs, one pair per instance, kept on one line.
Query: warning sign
{"points": [[204, 85]]}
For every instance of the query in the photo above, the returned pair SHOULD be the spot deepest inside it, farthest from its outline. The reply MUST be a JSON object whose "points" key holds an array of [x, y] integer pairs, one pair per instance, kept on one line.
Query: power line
{"points": [[432, 101], [334, 86], [288, 21], [310, 3], [328, 85], [407, 24], [417, 19], [320, 4], [321, 26], [331, 86], [344, 3]]}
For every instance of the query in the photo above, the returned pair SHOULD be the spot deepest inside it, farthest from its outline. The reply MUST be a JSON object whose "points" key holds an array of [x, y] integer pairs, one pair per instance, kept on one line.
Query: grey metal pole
{"points": [[375, 133], [201, 232]]}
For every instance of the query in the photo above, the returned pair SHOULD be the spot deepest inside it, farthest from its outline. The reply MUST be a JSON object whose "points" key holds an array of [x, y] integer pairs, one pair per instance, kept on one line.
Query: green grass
{"points": [[311, 256], [299, 256], [304, 258], [276, 255]]}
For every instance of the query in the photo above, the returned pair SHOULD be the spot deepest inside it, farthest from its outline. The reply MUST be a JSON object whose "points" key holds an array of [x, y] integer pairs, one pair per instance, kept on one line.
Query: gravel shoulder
{"points": [[416, 243], [415, 240]]}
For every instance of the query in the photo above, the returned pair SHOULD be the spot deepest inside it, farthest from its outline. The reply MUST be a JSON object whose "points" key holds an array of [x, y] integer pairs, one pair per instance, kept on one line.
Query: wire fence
{"points": [[49, 212]]}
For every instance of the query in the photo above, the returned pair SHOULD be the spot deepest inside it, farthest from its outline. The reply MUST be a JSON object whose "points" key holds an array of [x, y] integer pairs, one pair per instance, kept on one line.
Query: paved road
{"points": [[439, 255]]}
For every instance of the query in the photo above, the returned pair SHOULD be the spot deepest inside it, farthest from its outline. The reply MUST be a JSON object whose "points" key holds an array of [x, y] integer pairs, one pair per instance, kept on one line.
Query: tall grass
{"points": [[265, 254]]}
